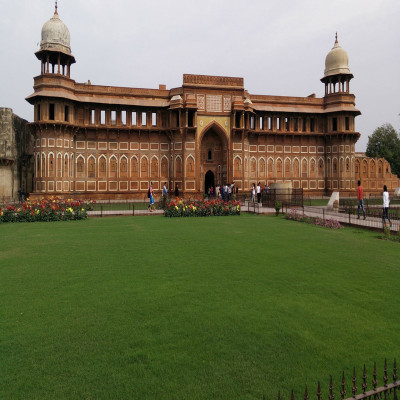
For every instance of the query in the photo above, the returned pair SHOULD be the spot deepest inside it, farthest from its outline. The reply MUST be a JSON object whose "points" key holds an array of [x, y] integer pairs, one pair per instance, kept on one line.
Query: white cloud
{"points": [[277, 47]]}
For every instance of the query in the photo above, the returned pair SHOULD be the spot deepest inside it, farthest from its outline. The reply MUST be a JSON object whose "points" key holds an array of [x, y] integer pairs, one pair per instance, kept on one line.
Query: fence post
{"points": [[323, 214], [133, 209], [303, 211], [101, 210]]}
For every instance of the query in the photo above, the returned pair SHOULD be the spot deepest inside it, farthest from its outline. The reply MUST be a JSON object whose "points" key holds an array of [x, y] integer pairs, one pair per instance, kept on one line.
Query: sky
{"points": [[278, 47]]}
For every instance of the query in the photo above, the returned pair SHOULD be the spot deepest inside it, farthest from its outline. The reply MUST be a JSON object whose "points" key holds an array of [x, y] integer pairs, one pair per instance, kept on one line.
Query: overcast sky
{"points": [[277, 46]]}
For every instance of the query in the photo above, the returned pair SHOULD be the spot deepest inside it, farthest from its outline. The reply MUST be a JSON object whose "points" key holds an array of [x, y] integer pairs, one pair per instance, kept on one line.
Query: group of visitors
{"points": [[164, 194], [223, 192], [256, 190], [386, 203]]}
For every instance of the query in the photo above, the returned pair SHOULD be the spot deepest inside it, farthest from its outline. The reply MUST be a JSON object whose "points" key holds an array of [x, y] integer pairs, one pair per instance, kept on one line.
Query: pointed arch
{"points": [[262, 168], [178, 166], [372, 169], [214, 125], [279, 167], [313, 168], [38, 169], [134, 167], [80, 166], [91, 166], [113, 167], [287, 164], [358, 168], [321, 168], [296, 168], [380, 169], [72, 166], [270, 167], [51, 167], [154, 168], [59, 165], [66, 165], [190, 165], [144, 167], [364, 170], [123, 167], [237, 167], [253, 167], [102, 172], [335, 167], [164, 167], [341, 166], [347, 167]]}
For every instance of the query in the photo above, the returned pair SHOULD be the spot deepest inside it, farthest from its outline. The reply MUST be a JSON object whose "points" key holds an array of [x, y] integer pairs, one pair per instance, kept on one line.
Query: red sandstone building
{"points": [[110, 142]]}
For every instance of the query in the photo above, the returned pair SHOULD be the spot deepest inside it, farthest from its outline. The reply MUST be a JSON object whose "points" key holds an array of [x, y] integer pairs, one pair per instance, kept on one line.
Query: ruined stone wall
{"points": [[16, 150]]}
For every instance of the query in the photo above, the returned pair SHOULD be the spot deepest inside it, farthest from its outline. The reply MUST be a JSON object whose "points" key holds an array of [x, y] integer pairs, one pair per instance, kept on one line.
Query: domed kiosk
{"points": [[337, 73], [55, 48]]}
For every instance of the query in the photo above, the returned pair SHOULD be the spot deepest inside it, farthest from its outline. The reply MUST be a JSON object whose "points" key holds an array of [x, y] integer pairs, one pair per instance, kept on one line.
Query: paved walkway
{"points": [[323, 212]]}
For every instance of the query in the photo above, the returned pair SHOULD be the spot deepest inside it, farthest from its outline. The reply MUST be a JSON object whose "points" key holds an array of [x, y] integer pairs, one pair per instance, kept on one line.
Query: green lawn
{"points": [[191, 308]]}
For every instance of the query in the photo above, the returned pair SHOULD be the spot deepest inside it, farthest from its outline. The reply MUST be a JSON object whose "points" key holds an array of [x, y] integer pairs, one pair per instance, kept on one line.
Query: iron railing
{"points": [[388, 391], [286, 197]]}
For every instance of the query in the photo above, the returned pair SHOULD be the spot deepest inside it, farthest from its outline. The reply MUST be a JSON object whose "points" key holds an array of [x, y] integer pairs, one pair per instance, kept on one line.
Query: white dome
{"points": [[55, 36], [337, 61]]}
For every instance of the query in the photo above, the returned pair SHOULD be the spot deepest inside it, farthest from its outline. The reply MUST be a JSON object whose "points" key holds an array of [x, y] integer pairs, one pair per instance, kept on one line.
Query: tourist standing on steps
{"points": [[386, 203], [259, 192], [253, 193], [360, 196], [176, 192]]}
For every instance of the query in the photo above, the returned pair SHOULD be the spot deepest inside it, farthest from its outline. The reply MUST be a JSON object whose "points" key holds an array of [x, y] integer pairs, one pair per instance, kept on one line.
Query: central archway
{"points": [[213, 156], [209, 181]]}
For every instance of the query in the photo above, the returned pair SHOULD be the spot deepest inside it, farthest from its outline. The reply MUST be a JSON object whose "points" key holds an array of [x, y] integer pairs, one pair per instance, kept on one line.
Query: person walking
{"points": [[386, 202], [360, 196], [176, 192], [259, 192], [253, 193], [151, 197]]}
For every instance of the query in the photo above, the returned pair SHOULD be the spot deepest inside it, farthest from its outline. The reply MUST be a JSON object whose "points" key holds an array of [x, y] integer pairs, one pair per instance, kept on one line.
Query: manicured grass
{"points": [[315, 202], [196, 308]]}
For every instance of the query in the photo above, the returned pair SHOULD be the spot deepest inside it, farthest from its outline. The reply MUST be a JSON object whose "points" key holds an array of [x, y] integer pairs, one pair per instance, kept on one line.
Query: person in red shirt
{"points": [[360, 195]]}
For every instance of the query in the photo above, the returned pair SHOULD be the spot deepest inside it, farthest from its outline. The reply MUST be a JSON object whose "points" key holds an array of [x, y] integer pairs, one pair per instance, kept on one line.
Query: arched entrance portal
{"points": [[213, 158], [209, 181]]}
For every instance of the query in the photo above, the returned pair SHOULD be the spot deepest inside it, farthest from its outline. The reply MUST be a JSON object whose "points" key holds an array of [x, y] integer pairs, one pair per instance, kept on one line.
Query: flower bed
{"points": [[201, 208], [327, 223], [388, 235], [50, 209]]}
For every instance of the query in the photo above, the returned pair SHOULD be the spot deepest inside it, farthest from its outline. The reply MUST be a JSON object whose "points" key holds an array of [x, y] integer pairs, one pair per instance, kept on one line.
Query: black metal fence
{"points": [[286, 198], [388, 391], [347, 218]]}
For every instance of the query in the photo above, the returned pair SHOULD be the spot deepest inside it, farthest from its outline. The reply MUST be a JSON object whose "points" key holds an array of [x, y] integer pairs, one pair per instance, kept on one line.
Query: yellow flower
{"points": [[176, 207]]}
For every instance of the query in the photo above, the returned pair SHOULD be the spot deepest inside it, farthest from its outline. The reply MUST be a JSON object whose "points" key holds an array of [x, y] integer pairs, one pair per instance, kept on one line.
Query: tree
{"points": [[385, 142]]}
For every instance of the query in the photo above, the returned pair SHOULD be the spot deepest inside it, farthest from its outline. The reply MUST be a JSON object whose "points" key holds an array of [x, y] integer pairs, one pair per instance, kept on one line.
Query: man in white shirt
{"points": [[259, 192]]}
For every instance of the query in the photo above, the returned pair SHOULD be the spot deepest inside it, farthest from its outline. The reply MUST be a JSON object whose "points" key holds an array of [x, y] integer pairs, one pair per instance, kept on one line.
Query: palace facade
{"points": [[111, 142]]}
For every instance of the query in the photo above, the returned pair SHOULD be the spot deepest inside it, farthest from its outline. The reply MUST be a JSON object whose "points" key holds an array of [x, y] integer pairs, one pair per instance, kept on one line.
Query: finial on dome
{"points": [[336, 41], [56, 10]]}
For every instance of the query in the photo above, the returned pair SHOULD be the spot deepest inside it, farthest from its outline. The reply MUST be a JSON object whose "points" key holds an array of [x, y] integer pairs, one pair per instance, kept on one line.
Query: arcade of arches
{"points": [[111, 142]]}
